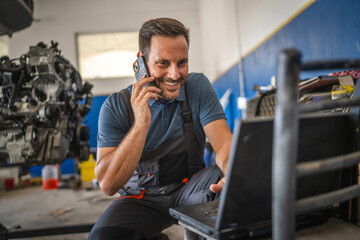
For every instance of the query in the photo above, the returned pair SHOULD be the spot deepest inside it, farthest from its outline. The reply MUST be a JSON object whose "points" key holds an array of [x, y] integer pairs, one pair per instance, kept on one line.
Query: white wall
{"points": [[218, 31], [232, 28], [61, 20]]}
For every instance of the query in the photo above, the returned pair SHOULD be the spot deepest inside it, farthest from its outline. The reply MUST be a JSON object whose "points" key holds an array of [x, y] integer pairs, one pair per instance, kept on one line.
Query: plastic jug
{"points": [[49, 174]]}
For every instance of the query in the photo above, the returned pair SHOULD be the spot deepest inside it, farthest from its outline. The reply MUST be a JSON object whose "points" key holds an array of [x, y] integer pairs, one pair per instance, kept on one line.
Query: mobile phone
{"points": [[140, 68]]}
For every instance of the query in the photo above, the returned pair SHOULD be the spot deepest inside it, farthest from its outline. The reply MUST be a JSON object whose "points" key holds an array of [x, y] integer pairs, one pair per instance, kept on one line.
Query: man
{"points": [[151, 139]]}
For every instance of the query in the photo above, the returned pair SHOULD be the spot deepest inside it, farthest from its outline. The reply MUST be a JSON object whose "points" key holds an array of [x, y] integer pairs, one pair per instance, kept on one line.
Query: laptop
{"points": [[244, 208]]}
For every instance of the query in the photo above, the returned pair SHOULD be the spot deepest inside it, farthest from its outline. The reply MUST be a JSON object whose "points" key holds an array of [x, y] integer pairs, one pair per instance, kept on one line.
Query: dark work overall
{"points": [[168, 176]]}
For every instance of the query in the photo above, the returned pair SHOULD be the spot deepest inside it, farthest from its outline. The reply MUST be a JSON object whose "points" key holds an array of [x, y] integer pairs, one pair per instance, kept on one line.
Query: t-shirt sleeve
{"points": [[210, 108], [113, 124]]}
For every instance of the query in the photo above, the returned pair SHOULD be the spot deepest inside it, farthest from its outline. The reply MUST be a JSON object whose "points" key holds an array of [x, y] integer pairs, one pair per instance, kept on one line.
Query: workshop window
{"points": [[4, 45], [107, 55]]}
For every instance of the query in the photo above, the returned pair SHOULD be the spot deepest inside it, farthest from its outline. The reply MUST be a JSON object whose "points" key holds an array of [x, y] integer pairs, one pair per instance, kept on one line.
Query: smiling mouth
{"points": [[171, 83], [169, 87]]}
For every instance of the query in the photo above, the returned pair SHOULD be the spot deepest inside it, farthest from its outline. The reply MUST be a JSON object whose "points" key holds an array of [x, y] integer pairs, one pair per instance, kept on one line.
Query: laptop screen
{"points": [[246, 197]]}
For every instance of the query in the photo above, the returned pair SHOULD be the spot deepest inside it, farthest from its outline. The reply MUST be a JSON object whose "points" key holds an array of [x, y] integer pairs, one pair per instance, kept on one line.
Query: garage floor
{"points": [[32, 207]]}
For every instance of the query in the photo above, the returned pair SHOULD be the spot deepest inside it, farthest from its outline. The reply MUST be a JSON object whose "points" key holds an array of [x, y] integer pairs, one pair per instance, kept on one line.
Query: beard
{"points": [[169, 94]]}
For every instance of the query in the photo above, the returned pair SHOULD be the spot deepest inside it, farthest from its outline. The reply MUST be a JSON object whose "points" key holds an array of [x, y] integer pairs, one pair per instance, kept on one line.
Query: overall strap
{"points": [[125, 96], [186, 114]]}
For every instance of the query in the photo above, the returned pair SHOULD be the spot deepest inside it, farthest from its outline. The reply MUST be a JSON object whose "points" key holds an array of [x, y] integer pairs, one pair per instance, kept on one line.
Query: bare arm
{"points": [[115, 165], [220, 137]]}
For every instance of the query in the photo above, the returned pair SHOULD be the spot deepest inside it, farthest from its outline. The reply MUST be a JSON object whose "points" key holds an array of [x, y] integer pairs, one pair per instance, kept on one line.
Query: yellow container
{"points": [[87, 169]]}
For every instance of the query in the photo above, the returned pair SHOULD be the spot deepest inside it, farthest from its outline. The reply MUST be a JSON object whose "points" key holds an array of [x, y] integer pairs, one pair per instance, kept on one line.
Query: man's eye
{"points": [[162, 63], [182, 62]]}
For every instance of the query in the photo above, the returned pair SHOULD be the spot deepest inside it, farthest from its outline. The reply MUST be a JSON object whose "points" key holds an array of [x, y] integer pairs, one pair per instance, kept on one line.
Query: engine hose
{"points": [[3, 58], [13, 70]]}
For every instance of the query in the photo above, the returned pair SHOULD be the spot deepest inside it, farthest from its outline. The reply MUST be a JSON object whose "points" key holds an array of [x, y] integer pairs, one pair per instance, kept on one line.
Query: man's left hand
{"points": [[216, 188]]}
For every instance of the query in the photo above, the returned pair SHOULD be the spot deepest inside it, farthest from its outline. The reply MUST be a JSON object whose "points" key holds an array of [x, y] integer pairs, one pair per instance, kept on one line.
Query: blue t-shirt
{"points": [[166, 121]]}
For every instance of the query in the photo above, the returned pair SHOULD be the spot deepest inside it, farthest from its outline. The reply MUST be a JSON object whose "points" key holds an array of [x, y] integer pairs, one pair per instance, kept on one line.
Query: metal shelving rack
{"points": [[285, 169]]}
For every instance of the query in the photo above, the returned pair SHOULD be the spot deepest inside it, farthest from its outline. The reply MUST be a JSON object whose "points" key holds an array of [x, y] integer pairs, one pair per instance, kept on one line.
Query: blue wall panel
{"points": [[326, 30], [92, 119], [230, 80]]}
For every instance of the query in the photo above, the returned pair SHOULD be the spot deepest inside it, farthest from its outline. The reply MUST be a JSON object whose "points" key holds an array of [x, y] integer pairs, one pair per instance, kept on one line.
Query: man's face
{"points": [[168, 63]]}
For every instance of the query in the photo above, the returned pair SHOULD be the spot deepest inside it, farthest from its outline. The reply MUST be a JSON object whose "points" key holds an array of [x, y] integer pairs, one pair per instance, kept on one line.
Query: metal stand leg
{"points": [[189, 235], [285, 147], [3, 232], [6, 234]]}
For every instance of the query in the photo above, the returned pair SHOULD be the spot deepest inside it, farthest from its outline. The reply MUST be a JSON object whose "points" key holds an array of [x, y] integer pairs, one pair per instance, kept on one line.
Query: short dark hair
{"points": [[160, 27]]}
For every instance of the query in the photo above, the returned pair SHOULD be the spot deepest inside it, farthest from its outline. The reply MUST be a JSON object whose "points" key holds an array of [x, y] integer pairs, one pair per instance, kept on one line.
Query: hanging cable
{"points": [[240, 63]]}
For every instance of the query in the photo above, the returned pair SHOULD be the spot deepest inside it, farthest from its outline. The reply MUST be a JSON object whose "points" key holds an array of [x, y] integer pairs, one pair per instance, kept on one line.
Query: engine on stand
{"points": [[43, 103]]}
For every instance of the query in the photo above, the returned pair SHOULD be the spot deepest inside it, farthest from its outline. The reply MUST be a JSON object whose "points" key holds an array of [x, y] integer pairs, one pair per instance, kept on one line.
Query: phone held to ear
{"points": [[140, 68]]}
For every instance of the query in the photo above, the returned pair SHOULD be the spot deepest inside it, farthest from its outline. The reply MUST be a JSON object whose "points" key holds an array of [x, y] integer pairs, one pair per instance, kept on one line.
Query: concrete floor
{"points": [[32, 207]]}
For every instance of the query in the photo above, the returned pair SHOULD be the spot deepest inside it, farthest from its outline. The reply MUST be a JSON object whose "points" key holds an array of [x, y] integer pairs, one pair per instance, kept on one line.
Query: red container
{"points": [[49, 174], [9, 183], [50, 183]]}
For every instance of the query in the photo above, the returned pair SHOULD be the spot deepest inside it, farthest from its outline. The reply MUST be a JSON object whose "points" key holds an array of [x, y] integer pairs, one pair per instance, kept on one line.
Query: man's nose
{"points": [[173, 72]]}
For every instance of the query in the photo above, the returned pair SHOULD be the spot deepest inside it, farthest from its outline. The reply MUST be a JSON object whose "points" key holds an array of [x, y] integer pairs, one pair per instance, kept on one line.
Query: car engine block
{"points": [[43, 103]]}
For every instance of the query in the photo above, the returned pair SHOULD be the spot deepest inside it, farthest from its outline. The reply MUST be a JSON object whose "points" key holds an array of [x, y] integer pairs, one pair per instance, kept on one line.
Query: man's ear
{"points": [[139, 54]]}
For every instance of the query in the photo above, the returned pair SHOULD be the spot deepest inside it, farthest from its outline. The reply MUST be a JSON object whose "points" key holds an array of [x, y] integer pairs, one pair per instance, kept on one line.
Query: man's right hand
{"points": [[116, 165], [140, 100]]}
